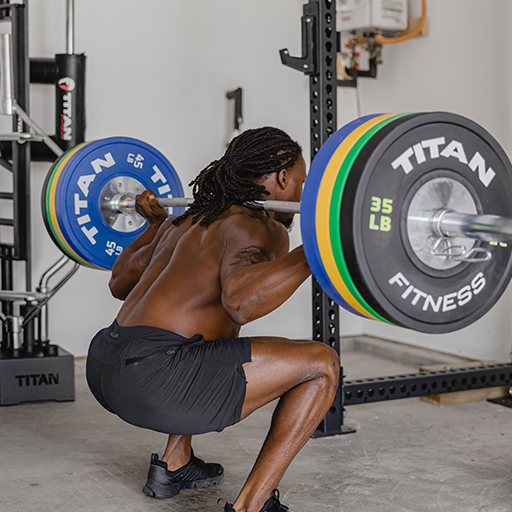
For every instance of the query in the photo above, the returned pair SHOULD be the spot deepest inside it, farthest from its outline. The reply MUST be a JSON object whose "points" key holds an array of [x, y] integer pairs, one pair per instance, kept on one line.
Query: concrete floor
{"points": [[407, 456]]}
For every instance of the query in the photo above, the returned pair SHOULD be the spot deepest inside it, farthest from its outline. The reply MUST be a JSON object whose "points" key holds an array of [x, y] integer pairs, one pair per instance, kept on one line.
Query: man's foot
{"points": [[196, 474], [271, 505]]}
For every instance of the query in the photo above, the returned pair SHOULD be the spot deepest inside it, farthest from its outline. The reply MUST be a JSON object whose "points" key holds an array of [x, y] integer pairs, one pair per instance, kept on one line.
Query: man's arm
{"points": [[258, 274], [133, 261]]}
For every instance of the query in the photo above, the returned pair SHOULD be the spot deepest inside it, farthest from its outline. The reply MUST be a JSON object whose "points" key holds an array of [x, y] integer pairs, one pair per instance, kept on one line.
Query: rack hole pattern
{"points": [[426, 383]]}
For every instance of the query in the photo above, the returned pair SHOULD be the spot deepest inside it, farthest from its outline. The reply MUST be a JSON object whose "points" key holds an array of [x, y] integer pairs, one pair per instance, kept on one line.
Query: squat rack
{"points": [[320, 43], [31, 368]]}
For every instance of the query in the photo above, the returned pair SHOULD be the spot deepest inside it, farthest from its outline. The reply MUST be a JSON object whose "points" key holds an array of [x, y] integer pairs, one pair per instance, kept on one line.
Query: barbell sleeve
{"points": [[490, 228], [450, 224]]}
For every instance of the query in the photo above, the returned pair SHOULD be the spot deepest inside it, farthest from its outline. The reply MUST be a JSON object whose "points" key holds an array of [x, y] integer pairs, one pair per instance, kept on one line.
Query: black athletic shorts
{"points": [[156, 379]]}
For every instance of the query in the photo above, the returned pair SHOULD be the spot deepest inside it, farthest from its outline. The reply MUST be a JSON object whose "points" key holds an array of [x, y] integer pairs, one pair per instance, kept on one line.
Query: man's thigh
{"points": [[279, 364]]}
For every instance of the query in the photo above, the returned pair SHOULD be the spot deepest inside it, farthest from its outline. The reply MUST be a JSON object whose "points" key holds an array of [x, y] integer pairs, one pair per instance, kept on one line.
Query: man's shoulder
{"points": [[246, 224], [246, 218]]}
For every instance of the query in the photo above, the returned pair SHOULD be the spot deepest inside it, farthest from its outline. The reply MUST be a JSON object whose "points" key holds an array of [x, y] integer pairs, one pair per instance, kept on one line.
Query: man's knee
{"points": [[327, 362]]}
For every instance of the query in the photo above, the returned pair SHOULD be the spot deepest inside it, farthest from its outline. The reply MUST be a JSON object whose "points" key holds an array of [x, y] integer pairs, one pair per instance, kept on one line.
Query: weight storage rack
{"points": [[31, 368]]}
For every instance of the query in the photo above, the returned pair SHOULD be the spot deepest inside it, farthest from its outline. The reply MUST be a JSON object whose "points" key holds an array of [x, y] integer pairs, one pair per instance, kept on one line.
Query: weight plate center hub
{"points": [[114, 204], [434, 196]]}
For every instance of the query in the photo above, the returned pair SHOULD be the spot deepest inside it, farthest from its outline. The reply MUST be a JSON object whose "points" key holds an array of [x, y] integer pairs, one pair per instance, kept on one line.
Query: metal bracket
{"points": [[308, 62], [49, 293], [459, 252], [237, 96], [30, 122]]}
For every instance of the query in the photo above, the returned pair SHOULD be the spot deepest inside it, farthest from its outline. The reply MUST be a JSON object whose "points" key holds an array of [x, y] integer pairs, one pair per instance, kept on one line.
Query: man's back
{"points": [[182, 288]]}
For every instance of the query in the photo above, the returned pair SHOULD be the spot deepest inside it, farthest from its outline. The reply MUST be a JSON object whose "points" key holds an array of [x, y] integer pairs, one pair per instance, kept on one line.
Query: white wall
{"points": [[159, 71]]}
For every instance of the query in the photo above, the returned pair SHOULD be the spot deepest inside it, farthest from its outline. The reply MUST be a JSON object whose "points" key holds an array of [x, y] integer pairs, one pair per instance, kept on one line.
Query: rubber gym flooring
{"points": [[407, 456]]}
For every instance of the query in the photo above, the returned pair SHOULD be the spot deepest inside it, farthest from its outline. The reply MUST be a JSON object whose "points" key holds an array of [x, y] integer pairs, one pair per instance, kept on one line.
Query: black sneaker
{"points": [[196, 474], [271, 505]]}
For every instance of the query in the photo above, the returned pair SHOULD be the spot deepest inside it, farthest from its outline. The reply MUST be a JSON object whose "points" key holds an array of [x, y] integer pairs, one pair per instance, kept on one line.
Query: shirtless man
{"points": [[172, 361]]}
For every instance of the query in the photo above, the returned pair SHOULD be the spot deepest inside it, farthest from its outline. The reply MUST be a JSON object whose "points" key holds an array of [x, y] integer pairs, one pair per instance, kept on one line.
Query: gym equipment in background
{"points": [[31, 368]]}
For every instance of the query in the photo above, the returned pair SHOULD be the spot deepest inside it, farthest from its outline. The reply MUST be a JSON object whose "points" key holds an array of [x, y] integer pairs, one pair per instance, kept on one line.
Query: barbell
{"points": [[405, 218]]}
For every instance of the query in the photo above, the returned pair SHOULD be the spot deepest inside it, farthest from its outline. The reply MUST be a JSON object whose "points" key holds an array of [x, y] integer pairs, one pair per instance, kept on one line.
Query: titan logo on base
{"points": [[38, 379], [443, 303], [454, 149]]}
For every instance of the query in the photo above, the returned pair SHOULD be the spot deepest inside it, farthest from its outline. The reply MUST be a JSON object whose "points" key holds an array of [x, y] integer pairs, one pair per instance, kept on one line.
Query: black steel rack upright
{"points": [[318, 61], [20, 249]]}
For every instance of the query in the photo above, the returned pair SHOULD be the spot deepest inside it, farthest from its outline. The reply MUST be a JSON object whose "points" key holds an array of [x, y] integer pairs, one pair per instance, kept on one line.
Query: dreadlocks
{"points": [[234, 179]]}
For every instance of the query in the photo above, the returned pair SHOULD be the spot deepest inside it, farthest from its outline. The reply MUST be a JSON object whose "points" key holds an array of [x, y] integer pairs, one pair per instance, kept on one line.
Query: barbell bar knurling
{"points": [[269, 205]]}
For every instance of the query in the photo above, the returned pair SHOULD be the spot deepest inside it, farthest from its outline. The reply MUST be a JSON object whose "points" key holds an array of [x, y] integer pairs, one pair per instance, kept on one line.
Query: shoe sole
{"points": [[156, 490], [200, 484], [159, 492]]}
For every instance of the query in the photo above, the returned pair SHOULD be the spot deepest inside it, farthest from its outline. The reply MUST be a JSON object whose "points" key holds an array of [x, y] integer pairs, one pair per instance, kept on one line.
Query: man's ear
{"points": [[283, 179]]}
